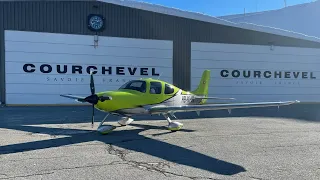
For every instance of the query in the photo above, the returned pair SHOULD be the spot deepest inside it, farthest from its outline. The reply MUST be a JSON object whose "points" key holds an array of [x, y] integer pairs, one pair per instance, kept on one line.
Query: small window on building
{"points": [[155, 87], [168, 89]]}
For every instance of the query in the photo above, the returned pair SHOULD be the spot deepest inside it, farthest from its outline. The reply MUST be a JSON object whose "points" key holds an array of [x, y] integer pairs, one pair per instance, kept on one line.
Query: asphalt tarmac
{"points": [[258, 143]]}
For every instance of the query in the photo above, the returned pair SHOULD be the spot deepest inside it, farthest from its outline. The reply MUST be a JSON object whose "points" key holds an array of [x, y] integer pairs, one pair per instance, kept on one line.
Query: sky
{"points": [[226, 7]]}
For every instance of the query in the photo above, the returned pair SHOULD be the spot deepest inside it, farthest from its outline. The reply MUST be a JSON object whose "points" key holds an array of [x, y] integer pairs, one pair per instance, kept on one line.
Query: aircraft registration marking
{"points": [[187, 99]]}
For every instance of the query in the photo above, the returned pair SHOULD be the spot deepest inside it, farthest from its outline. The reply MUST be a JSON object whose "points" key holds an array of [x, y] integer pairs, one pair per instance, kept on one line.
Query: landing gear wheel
{"points": [[175, 126], [105, 129], [125, 121]]}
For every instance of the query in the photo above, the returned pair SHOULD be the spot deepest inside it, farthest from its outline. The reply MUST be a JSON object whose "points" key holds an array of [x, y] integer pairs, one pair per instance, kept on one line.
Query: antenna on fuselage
{"points": [[159, 75]]}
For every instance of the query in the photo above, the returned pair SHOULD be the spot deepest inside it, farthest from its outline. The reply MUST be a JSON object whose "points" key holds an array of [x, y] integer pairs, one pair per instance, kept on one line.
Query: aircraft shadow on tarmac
{"points": [[16, 118], [128, 139]]}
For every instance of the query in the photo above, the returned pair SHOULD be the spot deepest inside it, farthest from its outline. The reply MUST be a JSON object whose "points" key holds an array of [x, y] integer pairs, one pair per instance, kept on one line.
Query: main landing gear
{"points": [[105, 129], [173, 125]]}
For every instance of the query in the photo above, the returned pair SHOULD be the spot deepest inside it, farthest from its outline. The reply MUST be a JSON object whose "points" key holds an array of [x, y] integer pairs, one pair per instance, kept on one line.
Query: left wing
{"points": [[188, 108]]}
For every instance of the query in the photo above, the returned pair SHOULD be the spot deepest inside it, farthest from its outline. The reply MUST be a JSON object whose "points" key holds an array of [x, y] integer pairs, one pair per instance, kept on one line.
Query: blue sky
{"points": [[226, 7]]}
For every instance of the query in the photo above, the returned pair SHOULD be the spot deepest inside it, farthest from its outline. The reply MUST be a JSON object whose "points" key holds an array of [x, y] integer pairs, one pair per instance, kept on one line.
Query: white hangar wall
{"points": [[41, 66], [252, 73]]}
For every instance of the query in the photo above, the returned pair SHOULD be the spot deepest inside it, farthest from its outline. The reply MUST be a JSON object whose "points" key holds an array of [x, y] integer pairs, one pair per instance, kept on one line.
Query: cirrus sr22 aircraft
{"points": [[151, 96]]}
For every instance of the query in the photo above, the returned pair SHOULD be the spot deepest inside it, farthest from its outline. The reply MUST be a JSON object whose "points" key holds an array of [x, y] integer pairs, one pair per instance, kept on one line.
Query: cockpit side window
{"points": [[168, 89], [155, 87], [135, 85]]}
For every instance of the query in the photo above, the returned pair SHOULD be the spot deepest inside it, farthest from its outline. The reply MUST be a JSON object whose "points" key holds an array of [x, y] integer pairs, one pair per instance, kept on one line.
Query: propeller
{"points": [[94, 98]]}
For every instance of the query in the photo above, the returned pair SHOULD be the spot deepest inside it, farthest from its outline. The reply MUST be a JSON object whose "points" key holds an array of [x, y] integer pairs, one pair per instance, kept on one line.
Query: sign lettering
{"points": [[267, 74], [79, 69]]}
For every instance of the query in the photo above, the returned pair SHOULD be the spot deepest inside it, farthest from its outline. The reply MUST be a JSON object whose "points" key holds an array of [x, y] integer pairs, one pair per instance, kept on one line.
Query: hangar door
{"points": [[252, 73], [41, 66]]}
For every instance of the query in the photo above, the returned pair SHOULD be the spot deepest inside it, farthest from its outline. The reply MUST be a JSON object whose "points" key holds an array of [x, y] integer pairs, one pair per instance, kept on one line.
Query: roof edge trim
{"points": [[207, 18]]}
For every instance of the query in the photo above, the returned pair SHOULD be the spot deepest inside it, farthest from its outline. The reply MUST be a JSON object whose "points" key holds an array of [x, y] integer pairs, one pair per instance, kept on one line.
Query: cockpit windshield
{"points": [[136, 85]]}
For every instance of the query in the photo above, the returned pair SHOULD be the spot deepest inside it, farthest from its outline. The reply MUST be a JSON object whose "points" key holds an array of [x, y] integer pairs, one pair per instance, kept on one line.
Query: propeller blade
{"points": [[92, 88], [92, 119]]}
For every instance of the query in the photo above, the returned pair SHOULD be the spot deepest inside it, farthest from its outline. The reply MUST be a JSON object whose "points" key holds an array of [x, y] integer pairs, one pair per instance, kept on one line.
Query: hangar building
{"points": [[300, 18], [48, 48]]}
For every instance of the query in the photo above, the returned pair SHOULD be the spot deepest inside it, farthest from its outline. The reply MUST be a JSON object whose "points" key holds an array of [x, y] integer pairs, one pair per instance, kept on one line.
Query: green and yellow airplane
{"points": [[152, 96]]}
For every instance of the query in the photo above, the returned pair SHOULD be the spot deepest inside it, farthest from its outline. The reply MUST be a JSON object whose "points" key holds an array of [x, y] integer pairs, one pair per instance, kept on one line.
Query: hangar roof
{"points": [[300, 18], [217, 20]]}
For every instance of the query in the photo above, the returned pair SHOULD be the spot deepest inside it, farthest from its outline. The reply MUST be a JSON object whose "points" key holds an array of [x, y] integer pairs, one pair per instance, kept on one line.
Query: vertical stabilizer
{"points": [[203, 86]]}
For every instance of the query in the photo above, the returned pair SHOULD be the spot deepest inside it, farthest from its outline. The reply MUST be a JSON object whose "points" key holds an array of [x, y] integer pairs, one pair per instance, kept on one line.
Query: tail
{"points": [[203, 87]]}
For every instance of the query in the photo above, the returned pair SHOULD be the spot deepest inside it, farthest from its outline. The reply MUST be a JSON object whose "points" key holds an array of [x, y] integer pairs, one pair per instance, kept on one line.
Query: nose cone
{"points": [[92, 99]]}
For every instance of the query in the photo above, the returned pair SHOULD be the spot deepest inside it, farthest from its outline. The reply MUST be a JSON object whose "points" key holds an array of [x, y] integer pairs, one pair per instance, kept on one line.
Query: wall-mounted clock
{"points": [[96, 22]]}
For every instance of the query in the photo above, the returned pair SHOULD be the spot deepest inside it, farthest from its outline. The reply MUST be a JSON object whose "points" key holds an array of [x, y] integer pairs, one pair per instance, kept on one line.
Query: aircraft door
{"points": [[155, 92]]}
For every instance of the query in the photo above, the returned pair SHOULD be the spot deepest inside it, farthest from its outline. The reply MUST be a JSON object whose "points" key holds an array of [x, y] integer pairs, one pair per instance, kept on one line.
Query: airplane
{"points": [[153, 96]]}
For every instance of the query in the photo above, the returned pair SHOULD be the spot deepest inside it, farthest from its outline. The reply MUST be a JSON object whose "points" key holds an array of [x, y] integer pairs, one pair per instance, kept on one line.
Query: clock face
{"points": [[96, 22]]}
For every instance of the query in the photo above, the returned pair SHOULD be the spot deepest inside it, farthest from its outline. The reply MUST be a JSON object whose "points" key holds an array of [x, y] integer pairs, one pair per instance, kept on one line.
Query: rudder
{"points": [[203, 86]]}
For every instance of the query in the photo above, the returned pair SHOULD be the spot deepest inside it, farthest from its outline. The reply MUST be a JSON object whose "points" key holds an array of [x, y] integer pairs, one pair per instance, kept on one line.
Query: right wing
{"points": [[189, 108]]}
